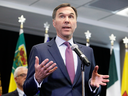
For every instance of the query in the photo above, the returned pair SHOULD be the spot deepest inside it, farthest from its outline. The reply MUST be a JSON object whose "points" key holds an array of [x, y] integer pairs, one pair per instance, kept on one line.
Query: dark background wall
{"points": [[8, 44]]}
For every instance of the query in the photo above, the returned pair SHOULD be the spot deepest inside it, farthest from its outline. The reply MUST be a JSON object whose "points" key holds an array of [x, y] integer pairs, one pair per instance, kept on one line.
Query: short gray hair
{"points": [[17, 69]]}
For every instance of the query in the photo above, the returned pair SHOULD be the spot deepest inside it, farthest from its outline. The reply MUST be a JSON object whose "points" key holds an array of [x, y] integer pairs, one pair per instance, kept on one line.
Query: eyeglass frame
{"points": [[22, 75]]}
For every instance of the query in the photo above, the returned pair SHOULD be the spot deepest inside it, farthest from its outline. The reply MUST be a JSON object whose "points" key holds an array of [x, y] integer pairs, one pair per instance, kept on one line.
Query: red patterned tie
{"points": [[69, 61]]}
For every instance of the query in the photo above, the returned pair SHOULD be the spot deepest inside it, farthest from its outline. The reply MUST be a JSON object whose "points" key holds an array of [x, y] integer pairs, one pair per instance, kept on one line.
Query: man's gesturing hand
{"points": [[98, 79], [44, 69]]}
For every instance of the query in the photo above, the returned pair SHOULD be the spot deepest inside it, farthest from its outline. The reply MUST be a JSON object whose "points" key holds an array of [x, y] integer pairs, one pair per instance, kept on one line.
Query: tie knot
{"points": [[67, 44]]}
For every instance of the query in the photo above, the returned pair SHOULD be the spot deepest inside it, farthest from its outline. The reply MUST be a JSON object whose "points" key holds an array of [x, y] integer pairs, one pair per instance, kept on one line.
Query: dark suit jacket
{"points": [[58, 83], [14, 93]]}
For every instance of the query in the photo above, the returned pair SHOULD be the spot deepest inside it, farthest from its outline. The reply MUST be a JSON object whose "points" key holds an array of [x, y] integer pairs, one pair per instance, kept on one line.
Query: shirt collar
{"points": [[59, 41], [20, 92]]}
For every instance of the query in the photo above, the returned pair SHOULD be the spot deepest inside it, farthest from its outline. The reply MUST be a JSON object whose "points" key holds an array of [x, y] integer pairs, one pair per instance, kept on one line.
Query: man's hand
{"points": [[44, 69], [98, 79]]}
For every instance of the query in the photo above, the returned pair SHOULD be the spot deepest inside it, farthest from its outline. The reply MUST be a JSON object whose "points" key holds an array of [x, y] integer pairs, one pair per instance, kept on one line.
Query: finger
{"points": [[96, 69], [48, 65], [36, 61], [97, 85], [105, 76], [44, 62], [93, 84], [103, 84], [105, 80], [52, 70], [52, 67]]}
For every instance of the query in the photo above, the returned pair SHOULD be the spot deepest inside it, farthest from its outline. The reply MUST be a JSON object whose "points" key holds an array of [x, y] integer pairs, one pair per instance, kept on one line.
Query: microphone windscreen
{"points": [[74, 46]]}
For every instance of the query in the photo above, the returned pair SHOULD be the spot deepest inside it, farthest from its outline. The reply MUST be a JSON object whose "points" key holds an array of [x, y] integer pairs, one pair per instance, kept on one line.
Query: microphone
{"points": [[80, 54]]}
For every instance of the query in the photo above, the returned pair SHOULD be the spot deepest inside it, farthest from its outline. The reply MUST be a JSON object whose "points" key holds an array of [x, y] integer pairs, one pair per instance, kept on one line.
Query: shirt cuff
{"points": [[38, 85], [94, 91]]}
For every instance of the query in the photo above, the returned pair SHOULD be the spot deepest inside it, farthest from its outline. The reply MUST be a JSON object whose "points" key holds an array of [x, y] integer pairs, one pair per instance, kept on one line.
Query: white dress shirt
{"points": [[20, 92]]}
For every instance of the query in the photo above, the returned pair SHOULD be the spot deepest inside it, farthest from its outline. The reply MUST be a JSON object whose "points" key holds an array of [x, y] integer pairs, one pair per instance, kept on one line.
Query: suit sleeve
{"points": [[30, 86], [92, 93]]}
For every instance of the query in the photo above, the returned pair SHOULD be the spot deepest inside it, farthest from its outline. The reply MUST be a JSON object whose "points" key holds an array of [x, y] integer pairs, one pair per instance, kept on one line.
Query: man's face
{"points": [[65, 22], [21, 77]]}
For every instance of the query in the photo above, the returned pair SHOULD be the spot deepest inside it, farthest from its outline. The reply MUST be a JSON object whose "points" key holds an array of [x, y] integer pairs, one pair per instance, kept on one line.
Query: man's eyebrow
{"points": [[63, 13], [72, 13]]}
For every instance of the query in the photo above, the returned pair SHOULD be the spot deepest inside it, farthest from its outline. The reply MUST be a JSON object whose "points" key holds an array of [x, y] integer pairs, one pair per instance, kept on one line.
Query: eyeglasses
{"points": [[22, 75]]}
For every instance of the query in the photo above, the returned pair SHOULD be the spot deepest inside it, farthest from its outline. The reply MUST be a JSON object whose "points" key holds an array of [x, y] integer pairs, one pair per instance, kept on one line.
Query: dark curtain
{"points": [[9, 41]]}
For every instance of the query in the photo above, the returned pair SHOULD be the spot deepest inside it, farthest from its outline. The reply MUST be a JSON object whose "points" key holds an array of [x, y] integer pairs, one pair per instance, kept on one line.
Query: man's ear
{"points": [[53, 22], [15, 79]]}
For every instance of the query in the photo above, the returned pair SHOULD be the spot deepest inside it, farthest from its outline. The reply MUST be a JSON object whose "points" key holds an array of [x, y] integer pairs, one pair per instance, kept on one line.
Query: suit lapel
{"points": [[54, 51], [16, 93]]}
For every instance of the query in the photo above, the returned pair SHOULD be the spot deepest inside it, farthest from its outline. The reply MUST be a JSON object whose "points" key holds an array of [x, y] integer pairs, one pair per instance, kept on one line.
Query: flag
{"points": [[113, 86], [124, 87], [20, 59], [46, 38]]}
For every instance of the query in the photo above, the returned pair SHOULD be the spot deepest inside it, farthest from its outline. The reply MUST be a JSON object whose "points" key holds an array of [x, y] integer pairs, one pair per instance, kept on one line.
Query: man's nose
{"points": [[66, 20]]}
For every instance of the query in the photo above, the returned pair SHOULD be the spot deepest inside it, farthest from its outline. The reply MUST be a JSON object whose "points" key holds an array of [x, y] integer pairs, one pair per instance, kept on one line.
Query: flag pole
{"points": [[124, 86], [21, 20], [112, 38], [88, 36], [46, 26], [125, 41]]}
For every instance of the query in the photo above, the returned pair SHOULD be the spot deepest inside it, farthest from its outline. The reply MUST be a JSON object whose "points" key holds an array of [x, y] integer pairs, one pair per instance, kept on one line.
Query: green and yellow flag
{"points": [[20, 59], [124, 88]]}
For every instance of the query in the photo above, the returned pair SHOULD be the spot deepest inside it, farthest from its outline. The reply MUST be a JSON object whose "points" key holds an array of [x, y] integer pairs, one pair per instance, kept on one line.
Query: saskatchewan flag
{"points": [[113, 86], [20, 59], [124, 87]]}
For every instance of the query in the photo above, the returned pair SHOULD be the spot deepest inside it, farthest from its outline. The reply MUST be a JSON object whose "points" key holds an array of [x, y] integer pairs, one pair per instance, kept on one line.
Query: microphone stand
{"points": [[83, 81], [84, 62]]}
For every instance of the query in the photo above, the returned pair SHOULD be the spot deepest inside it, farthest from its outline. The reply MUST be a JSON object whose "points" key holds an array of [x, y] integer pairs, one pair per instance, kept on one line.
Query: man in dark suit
{"points": [[47, 70], [14, 93], [19, 76]]}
